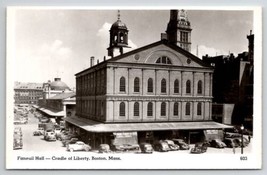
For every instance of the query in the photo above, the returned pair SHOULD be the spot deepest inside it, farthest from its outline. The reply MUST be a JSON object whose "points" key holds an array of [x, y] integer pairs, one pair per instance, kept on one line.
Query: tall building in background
{"points": [[233, 86]]}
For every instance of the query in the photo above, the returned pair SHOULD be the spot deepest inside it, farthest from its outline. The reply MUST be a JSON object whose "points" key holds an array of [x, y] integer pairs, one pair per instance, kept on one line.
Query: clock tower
{"points": [[179, 29], [118, 37]]}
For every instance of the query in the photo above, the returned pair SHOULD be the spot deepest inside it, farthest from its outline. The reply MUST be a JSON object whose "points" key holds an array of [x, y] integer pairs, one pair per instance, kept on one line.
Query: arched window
{"points": [[122, 109], [175, 109], [199, 87], [163, 86], [102, 108], [163, 109], [199, 109], [187, 108], [136, 84], [176, 86], [150, 109], [163, 60], [188, 86], [150, 85], [136, 109], [122, 84]]}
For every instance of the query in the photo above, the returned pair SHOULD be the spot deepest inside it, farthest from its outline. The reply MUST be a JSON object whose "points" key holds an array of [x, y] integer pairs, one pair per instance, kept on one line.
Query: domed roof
{"points": [[119, 25], [58, 85]]}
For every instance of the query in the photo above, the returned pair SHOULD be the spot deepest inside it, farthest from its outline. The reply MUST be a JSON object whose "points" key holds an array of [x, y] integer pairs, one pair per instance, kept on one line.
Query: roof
{"points": [[58, 85], [52, 112], [21, 85], [63, 96], [164, 42], [118, 25], [93, 126]]}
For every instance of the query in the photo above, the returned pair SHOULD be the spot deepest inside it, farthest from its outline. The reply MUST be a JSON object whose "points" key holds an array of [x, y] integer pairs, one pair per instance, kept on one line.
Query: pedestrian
{"points": [[233, 148]]}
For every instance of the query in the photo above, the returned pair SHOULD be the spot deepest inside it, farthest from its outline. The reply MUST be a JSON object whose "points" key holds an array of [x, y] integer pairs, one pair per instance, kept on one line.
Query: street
{"points": [[38, 144]]}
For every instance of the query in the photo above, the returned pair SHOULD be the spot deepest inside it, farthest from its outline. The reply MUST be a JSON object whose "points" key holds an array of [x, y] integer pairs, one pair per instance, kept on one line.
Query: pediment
{"points": [[161, 54]]}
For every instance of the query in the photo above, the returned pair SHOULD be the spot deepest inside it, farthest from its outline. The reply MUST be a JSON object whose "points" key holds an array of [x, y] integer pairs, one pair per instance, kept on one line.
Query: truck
{"points": [[48, 126]]}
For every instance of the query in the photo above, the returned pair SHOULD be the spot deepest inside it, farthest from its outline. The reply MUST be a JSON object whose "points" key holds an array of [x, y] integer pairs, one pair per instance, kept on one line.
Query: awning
{"points": [[93, 126], [51, 112], [35, 106]]}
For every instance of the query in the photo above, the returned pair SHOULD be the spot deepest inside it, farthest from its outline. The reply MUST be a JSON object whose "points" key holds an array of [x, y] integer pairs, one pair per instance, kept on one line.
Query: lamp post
{"points": [[242, 140]]}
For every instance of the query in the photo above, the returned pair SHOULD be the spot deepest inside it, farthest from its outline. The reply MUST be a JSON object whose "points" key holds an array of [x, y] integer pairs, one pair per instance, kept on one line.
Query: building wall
{"points": [[27, 96], [129, 97], [99, 96]]}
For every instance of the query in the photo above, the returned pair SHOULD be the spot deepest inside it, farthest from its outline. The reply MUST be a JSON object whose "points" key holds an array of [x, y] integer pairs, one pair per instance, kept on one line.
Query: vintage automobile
{"points": [[125, 148], [57, 130], [238, 140], [230, 142], [37, 133], [18, 131], [200, 148], [146, 148], [50, 136], [17, 142], [181, 143], [172, 145], [104, 148], [217, 143], [78, 146], [161, 146]]}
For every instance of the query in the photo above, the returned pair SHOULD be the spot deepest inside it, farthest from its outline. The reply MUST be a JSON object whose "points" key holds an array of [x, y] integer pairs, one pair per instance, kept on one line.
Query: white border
{"points": [[132, 161]]}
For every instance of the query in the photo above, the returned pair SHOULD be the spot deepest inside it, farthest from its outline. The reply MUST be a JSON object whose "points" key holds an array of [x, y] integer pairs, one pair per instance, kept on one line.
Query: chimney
{"points": [[104, 58], [97, 61], [163, 36], [92, 61], [57, 79]]}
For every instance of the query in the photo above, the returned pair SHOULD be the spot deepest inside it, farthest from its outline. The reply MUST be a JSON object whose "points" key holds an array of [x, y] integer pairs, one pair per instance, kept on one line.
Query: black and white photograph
{"points": [[134, 88]]}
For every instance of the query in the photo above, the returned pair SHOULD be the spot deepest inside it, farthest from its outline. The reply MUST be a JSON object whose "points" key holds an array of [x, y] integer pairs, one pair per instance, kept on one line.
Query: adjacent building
{"points": [[27, 93], [233, 86], [155, 92], [57, 101]]}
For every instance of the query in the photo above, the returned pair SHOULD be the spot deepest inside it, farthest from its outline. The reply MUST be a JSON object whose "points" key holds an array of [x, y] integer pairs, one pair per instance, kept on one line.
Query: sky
{"points": [[59, 43]]}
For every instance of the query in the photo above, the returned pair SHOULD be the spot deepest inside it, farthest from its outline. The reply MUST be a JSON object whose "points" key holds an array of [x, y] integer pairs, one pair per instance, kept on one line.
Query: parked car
{"points": [[37, 133], [125, 148], [181, 143], [104, 148], [57, 130], [239, 141], [18, 131], [230, 142], [50, 136], [172, 145], [17, 142], [146, 148], [161, 146], [217, 143], [78, 146], [200, 148]]}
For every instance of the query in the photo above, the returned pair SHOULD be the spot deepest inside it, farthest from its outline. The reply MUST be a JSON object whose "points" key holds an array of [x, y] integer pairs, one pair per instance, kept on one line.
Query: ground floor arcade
{"points": [[96, 133]]}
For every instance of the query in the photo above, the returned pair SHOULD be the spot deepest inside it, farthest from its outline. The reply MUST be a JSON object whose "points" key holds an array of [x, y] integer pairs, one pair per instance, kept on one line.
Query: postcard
{"points": [[134, 88]]}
